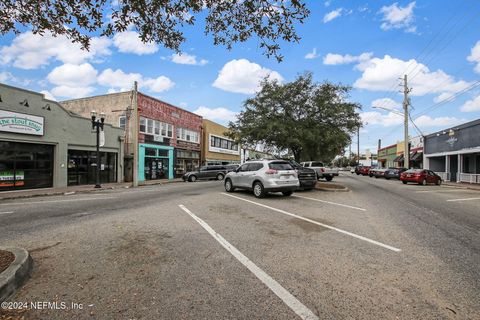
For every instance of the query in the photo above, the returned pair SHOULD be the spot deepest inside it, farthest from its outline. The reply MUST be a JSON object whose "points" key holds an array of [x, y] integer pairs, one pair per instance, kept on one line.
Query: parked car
{"points": [[363, 170], [394, 173], [263, 176], [306, 176], [352, 170], [420, 176], [209, 172], [379, 172], [322, 171], [371, 171]]}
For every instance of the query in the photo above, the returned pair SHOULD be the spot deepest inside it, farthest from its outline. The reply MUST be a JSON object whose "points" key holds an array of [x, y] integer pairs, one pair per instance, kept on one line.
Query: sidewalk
{"points": [[463, 185], [76, 189]]}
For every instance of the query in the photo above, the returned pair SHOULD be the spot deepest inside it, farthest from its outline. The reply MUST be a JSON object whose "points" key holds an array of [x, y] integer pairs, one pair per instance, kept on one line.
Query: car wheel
{"points": [[358, 173], [229, 186], [287, 193], [387, 178], [308, 189], [423, 182], [439, 182], [258, 190], [404, 182], [370, 175], [192, 178], [328, 178], [219, 176], [376, 177]]}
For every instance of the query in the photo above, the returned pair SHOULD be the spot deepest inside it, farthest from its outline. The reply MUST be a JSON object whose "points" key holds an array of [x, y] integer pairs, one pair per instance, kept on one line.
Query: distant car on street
{"points": [[363, 170], [420, 176], [217, 172], [394, 173], [379, 172], [306, 176], [263, 176]]}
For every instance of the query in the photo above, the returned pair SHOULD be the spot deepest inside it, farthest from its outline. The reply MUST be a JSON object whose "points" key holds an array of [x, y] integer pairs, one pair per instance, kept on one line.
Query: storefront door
{"points": [[453, 167], [156, 168]]}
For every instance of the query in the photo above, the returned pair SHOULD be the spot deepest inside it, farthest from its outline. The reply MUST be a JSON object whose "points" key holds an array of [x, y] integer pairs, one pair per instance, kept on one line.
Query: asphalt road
{"points": [[190, 251]]}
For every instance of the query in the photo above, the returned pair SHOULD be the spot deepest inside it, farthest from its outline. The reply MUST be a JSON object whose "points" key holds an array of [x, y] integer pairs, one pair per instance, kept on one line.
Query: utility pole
{"points": [[135, 135], [406, 153], [358, 145]]}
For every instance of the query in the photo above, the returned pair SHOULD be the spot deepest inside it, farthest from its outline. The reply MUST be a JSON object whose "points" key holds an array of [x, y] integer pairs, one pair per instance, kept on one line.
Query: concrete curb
{"points": [[16, 274], [342, 189]]}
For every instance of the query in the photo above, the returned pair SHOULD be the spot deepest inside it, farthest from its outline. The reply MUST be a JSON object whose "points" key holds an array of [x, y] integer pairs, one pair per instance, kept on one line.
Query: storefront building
{"points": [[43, 145], [416, 153], [454, 153], [217, 148], [387, 155], [169, 137]]}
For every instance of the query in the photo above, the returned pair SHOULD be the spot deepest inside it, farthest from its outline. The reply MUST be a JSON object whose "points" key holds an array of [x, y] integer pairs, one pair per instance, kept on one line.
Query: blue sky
{"points": [[367, 45]]}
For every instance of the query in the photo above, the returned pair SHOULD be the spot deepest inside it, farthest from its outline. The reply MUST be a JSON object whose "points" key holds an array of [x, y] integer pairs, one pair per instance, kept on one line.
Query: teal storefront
{"points": [[155, 162]]}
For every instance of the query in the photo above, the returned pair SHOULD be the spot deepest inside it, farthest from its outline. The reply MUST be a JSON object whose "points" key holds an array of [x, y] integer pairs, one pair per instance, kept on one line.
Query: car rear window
{"points": [[280, 166], [317, 164]]}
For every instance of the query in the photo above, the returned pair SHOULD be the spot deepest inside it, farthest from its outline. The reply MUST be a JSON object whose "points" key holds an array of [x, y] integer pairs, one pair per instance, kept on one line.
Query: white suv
{"points": [[263, 176]]}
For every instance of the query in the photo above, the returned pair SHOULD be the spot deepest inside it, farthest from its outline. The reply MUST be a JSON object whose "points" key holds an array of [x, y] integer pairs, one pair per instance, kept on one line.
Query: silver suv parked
{"points": [[263, 176]]}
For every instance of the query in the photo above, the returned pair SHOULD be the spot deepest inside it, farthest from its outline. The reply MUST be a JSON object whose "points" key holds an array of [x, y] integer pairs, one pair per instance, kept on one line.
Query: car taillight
{"points": [[322, 170], [271, 171]]}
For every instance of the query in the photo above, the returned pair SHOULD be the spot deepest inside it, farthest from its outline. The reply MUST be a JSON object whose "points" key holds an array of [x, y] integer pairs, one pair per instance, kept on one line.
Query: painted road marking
{"points": [[320, 224], [53, 201], [333, 203], [465, 199], [5, 212], [293, 303], [447, 190]]}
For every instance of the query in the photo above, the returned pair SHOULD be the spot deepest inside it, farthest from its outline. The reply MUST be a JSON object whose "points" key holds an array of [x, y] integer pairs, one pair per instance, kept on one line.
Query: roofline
{"points": [[169, 104], [93, 97], [459, 127], [393, 145]]}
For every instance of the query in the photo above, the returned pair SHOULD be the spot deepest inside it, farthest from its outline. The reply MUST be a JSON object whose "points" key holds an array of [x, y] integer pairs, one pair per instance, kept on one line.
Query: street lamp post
{"points": [[97, 125]]}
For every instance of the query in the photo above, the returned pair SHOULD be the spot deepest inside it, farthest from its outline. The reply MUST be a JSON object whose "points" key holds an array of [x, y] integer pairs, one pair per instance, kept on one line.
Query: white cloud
{"points": [[129, 42], [185, 58], [72, 92], [243, 76], [312, 55], [332, 15], [327, 3], [386, 103], [48, 95], [73, 75], [381, 74], [31, 51], [5, 76], [427, 122], [395, 17], [124, 81], [471, 105], [223, 115], [377, 118], [475, 56], [159, 84], [335, 59], [73, 81]]}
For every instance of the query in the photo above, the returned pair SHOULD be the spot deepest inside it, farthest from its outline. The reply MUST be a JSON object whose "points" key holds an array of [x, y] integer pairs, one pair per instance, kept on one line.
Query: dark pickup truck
{"points": [[306, 176]]}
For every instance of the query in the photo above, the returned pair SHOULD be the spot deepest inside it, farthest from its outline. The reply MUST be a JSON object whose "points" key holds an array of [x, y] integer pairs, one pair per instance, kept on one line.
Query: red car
{"points": [[420, 176], [363, 170]]}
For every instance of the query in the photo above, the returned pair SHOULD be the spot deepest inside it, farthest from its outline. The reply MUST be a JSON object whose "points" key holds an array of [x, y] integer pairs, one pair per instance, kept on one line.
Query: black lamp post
{"points": [[97, 125]]}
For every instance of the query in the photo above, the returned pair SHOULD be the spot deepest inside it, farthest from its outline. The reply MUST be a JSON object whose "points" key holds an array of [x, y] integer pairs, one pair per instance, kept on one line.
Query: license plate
{"points": [[285, 177]]}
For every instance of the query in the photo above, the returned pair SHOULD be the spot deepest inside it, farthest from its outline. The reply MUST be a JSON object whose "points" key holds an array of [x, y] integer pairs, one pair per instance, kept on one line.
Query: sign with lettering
{"points": [[21, 123]]}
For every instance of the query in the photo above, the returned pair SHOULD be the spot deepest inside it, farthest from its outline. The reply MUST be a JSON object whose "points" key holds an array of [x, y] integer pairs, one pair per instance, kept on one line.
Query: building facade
{"points": [[387, 155], [169, 138], [416, 153], [43, 145], [454, 153], [217, 148]]}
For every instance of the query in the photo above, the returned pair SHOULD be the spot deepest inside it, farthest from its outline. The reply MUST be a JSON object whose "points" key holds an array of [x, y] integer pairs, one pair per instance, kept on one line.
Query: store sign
{"points": [[221, 150], [451, 141], [21, 123]]}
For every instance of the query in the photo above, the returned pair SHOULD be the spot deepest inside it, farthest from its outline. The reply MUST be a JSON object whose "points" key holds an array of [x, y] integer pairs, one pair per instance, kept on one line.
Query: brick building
{"points": [[169, 137]]}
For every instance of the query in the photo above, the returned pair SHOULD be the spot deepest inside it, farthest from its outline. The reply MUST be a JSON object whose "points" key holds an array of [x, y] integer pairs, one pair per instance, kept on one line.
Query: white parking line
{"points": [[320, 224], [440, 190], [54, 201], [5, 212], [465, 199], [333, 203], [293, 303]]}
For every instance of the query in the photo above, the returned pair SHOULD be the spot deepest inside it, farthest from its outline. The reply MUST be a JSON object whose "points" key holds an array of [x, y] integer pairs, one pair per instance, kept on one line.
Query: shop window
{"points": [[150, 152], [162, 153]]}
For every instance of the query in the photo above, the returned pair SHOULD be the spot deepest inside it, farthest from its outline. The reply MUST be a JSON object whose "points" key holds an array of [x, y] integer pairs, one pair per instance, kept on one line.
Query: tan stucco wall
{"points": [[210, 127]]}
